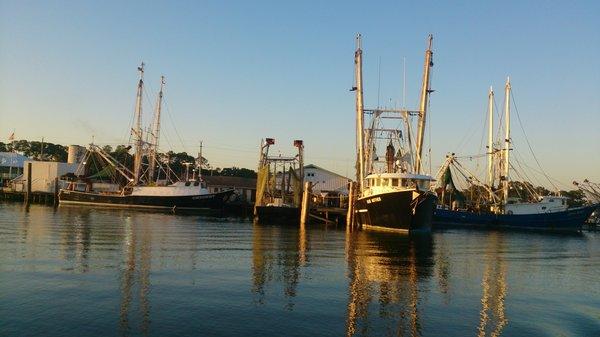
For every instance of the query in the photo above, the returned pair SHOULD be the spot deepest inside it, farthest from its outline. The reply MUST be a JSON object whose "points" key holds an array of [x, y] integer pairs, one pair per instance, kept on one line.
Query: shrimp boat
{"points": [[497, 208], [279, 186], [393, 192], [149, 184]]}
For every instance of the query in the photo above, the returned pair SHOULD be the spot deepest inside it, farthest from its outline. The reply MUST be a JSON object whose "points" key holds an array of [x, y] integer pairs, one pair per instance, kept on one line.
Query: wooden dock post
{"points": [[55, 200], [28, 190], [350, 214], [305, 204]]}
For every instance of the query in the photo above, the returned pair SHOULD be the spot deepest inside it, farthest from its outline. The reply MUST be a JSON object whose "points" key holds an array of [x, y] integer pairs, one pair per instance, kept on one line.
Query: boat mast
{"points": [[360, 176], [137, 132], [425, 91], [156, 131], [490, 146], [200, 163], [506, 139]]}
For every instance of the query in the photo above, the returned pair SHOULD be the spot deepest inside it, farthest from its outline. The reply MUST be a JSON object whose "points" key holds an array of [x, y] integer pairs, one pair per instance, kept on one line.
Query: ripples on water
{"points": [[98, 272]]}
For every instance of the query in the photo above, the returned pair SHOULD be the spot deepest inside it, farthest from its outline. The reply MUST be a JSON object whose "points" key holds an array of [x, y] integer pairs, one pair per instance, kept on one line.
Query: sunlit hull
{"points": [[201, 201], [399, 211], [278, 215], [569, 220]]}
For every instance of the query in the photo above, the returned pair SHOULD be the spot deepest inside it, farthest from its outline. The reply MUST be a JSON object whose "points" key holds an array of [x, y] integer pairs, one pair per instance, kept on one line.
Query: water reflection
{"points": [[136, 246], [278, 253], [140, 273], [492, 315], [385, 273]]}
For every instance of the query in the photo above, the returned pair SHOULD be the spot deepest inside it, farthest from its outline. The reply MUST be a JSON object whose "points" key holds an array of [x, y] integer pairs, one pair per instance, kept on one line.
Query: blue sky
{"points": [[240, 71]]}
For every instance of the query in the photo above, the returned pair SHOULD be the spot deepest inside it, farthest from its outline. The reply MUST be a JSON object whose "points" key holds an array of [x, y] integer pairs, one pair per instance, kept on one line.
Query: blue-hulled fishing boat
{"points": [[494, 208]]}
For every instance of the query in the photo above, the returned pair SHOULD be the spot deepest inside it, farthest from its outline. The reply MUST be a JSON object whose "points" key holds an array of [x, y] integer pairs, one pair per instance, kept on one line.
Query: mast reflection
{"points": [[136, 245], [277, 254], [384, 272], [492, 317]]}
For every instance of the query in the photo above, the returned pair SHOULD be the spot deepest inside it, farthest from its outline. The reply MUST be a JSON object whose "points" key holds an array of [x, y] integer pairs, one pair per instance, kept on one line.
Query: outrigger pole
{"points": [[425, 91]]}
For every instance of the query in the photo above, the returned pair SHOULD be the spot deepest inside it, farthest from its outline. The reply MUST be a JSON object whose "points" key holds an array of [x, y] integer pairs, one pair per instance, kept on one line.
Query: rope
{"points": [[529, 145]]}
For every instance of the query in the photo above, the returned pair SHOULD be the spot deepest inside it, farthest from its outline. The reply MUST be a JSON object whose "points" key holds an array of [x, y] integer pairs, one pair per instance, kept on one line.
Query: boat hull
{"points": [[399, 211], [569, 220], [202, 201], [275, 215]]}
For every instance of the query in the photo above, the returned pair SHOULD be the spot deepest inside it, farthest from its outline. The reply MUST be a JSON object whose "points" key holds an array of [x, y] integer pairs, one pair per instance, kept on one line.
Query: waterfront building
{"points": [[11, 166]]}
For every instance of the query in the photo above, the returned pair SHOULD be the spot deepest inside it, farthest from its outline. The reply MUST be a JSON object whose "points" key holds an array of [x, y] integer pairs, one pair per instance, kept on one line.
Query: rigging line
{"points": [[500, 119], [429, 134], [528, 144], [524, 183], [519, 162], [173, 122], [379, 82], [555, 180]]}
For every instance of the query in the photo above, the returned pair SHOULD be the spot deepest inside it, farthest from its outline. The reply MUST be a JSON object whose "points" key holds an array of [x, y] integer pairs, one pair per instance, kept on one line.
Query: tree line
{"points": [[176, 160]]}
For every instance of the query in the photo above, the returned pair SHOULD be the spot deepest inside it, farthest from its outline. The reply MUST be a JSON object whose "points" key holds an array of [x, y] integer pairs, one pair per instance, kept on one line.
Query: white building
{"points": [[43, 174], [324, 181]]}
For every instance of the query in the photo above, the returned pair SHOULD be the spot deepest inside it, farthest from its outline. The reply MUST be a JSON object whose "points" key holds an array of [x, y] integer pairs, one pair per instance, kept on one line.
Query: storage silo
{"points": [[75, 154]]}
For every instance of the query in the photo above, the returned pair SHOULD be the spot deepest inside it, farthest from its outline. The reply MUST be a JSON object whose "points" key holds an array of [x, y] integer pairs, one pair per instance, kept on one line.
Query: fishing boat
{"points": [[141, 186], [393, 191], [496, 208], [279, 185]]}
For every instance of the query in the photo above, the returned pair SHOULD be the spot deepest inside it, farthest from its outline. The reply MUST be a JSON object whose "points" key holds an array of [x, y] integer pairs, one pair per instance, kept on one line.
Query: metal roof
{"points": [[11, 159]]}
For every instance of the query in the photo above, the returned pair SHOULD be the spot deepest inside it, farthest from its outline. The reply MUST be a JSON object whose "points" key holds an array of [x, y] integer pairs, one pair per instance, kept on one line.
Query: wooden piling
{"points": [[55, 200], [28, 190], [350, 214], [305, 204]]}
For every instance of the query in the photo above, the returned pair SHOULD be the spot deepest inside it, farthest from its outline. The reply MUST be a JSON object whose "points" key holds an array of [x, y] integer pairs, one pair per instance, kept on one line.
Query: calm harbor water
{"points": [[99, 272]]}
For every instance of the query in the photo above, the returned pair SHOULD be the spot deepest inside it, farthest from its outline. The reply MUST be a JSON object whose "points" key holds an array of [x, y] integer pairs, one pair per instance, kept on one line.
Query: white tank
{"points": [[75, 154]]}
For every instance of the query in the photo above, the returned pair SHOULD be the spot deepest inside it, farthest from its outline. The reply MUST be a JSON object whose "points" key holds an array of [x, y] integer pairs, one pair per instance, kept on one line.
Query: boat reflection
{"points": [[492, 317], [385, 273], [278, 253]]}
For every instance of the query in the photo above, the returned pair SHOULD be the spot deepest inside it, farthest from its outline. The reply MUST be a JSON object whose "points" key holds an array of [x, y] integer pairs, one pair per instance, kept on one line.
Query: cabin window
{"points": [[551, 200], [377, 182], [384, 182], [394, 182], [563, 201]]}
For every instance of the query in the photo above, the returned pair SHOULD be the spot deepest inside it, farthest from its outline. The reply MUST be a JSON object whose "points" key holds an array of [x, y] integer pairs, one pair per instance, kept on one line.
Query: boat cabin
{"points": [[389, 182], [546, 204]]}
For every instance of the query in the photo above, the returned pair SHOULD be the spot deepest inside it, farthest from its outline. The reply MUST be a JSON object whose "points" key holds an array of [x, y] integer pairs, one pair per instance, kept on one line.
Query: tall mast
{"points": [[490, 146], [156, 131], [137, 131], [360, 176], [506, 139], [425, 91]]}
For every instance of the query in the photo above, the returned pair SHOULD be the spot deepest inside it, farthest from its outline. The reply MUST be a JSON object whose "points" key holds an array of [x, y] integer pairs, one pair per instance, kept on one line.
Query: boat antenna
{"points": [[425, 91]]}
